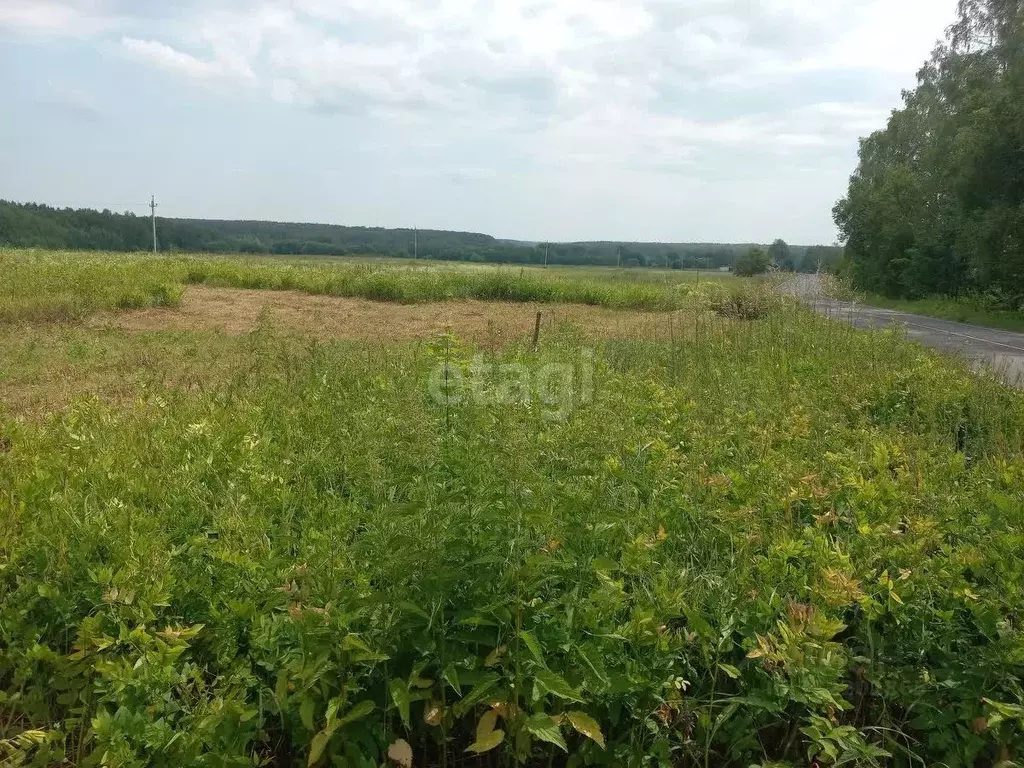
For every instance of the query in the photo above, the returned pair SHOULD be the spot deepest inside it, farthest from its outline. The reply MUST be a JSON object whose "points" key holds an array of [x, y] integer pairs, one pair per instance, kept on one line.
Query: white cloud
{"points": [[522, 58], [163, 56], [486, 89], [80, 18]]}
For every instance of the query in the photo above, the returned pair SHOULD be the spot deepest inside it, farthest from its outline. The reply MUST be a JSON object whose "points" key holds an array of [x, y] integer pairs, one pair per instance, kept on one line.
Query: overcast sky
{"points": [[695, 120]]}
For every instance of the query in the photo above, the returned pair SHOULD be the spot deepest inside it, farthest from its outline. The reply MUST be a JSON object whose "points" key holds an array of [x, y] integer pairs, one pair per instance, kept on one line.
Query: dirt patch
{"points": [[236, 311]]}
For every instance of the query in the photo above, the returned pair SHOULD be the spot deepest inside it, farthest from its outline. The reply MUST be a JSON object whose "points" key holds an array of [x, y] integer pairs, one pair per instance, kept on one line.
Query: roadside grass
{"points": [[973, 311], [769, 541]]}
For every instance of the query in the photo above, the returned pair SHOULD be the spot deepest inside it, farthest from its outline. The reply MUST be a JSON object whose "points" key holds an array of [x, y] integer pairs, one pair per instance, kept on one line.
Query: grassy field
{"points": [[45, 286], [747, 536]]}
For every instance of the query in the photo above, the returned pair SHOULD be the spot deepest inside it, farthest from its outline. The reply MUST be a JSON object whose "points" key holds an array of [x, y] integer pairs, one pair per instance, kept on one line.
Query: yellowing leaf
{"points": [[316, 748], [504, 709], [433, 713], [400, 753], [493, 739], [486, 725], [586, 725], [495, 656]]}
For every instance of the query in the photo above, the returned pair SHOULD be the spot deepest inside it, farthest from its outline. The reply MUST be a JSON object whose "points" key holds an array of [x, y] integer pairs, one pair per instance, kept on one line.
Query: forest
{"points": [[936, 205], [40, 226]]}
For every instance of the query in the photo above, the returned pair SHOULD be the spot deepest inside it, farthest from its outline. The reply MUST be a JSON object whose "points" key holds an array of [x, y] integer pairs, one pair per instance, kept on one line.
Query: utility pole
{"points": [[415, 244], [152, 210], [620, 257], [546, 246]]}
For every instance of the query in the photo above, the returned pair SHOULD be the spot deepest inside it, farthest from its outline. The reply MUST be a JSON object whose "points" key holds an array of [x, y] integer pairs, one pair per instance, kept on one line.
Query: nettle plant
{"points": [[762, 541]]}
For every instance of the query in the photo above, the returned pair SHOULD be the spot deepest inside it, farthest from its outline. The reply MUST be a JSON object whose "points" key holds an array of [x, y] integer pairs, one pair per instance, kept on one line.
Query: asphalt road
{"points": [[1000, 351]]}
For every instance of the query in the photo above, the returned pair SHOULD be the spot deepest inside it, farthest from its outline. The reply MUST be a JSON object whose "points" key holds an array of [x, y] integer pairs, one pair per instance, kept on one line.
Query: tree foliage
{"points": [[41, 226], [754, 262], [781, 255], [936, 205]]}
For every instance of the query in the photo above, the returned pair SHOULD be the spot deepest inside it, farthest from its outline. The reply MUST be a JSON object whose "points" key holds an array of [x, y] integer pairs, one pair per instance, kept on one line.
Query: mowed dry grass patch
{"points": [[118, 355], [239, 311], [45, 367]]}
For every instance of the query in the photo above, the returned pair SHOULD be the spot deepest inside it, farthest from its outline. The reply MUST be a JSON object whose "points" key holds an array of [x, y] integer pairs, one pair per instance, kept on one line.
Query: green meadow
{"points": [[747, 536]]}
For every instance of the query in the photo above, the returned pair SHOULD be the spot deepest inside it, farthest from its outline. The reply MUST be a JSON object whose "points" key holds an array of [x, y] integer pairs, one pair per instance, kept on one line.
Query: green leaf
{"points": [[697, 622], [414, 609], [316, 748], [358, 712], [493, 739], [546, 729], [281, 688], [400, 696], [556, 685], [586, 725], [332, 714], [361, 651], [354, 643], [534, 647], [420, 682], [730, 710], [730, 670], [307, 712], [451, 676], [480, 691], [601, 677]]}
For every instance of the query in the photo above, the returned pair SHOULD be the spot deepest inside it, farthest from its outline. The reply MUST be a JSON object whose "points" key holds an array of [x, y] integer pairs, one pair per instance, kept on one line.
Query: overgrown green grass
{"points": [[974, 311], [44, 286], [774, 541], [49, 286]]}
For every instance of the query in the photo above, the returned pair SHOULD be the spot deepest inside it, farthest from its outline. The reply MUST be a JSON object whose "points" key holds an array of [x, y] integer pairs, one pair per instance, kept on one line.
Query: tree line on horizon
{"points": [[936, 205], [31, 225]]}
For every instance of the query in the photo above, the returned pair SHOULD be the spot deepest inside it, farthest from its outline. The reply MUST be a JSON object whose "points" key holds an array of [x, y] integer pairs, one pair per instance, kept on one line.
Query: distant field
{"points": [[252, 515], [42, 285]]}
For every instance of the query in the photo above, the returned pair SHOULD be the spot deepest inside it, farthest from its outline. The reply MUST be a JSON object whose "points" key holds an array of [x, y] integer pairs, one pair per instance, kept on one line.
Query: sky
{"points": [[562, 120]]}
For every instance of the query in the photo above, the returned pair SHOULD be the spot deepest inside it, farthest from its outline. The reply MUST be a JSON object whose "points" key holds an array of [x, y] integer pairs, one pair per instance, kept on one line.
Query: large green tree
{"points": [[781, 255], [936, 205], [755, 261]]}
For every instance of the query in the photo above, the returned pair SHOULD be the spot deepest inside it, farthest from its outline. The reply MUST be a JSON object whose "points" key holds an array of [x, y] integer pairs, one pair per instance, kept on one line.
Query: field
{"points": [[265, 512], [42, 286]]}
